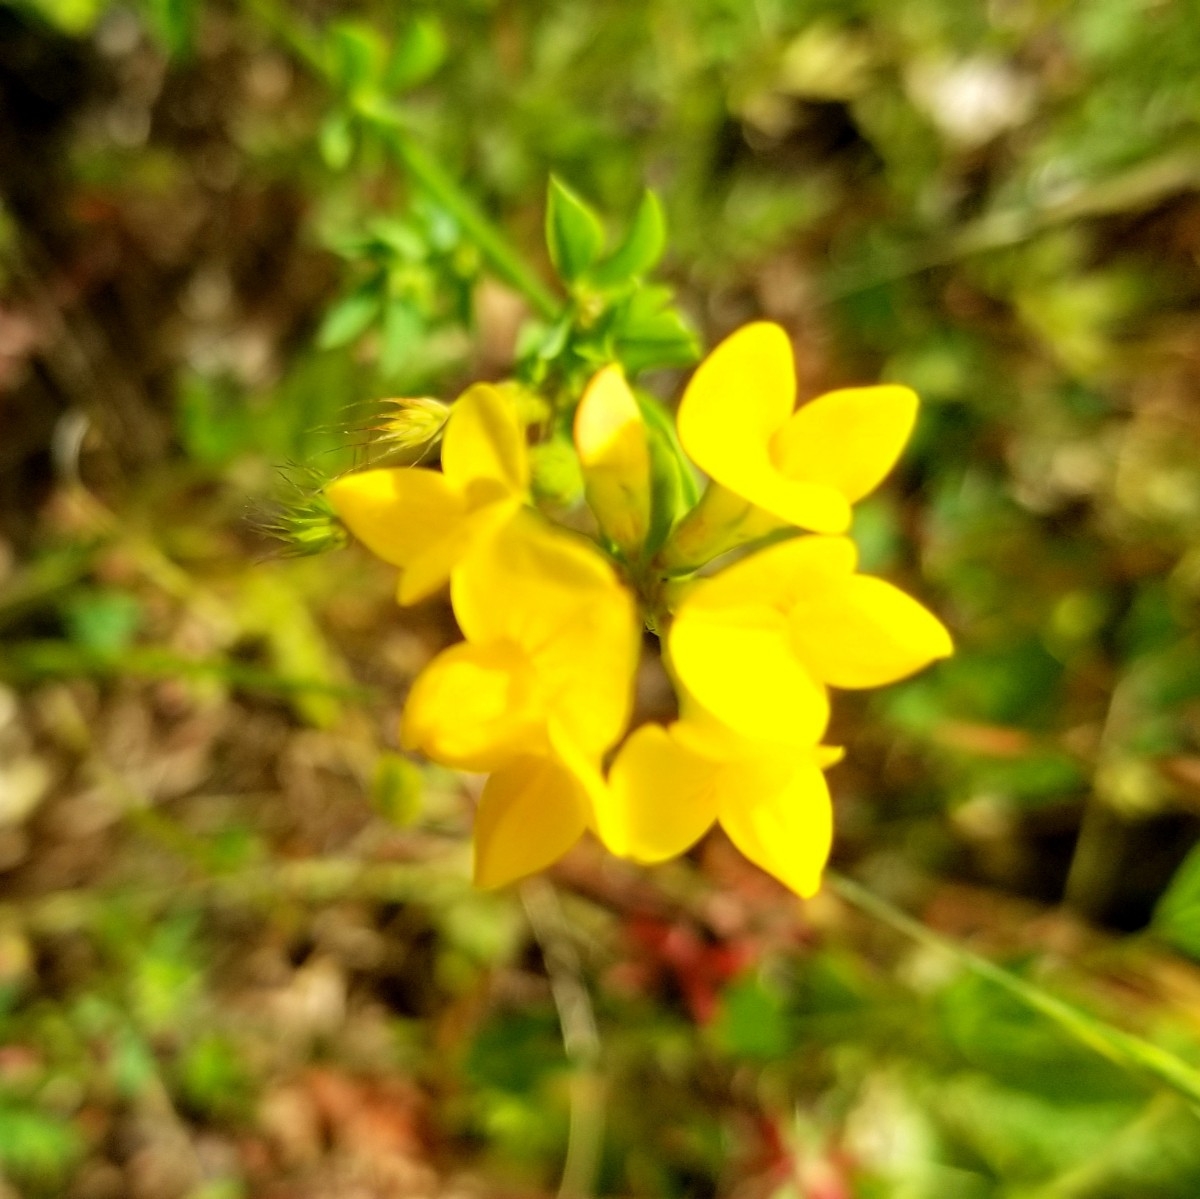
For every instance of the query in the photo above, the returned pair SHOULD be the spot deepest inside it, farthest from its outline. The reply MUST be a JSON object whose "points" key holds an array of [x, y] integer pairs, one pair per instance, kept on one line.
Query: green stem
{"points": [[1122, 1048], [422, 166], [494, 246]]}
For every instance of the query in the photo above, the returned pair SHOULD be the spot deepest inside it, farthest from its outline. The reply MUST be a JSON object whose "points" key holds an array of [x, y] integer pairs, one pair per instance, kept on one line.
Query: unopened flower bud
{"points": [[611, 440], [412, 423]]}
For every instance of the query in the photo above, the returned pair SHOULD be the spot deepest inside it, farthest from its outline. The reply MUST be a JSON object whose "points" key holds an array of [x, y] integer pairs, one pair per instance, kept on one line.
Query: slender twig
{"points": [[581, 1039]]}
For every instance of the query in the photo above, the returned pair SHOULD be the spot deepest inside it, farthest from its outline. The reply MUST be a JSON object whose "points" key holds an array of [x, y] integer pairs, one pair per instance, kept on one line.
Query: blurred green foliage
{"points": [[229, 231]]}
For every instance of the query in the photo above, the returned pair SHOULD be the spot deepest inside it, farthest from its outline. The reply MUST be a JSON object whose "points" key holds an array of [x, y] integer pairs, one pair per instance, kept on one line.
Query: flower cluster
{"points": [[539, 694]]}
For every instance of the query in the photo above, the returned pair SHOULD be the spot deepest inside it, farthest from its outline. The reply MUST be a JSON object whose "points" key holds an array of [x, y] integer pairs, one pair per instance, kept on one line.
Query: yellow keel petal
{"points": [[866, 633], [397, 514], [739, 665], [787, 832], [475, 707], [661, 797], [531, 812]]}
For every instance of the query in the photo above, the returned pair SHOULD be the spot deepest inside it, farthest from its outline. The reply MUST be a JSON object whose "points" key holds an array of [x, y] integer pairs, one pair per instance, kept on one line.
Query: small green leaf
{"points": [[1177, 916], [174, 23], [349, 318], [396, 789], [658, 341], [574, 235], [401, 331], [642, 248], [103, 621], [336, 140], [421, 50], [36, 1147], [752, 1021], [356, 55]]}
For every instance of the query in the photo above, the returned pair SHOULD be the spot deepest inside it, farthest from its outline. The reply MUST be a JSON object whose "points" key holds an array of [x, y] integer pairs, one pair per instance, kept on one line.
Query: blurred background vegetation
{"points": [[238, 952]]}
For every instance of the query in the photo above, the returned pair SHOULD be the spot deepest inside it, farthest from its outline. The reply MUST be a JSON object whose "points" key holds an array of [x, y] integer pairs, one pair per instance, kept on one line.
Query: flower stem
{"points": [[492, 244]]}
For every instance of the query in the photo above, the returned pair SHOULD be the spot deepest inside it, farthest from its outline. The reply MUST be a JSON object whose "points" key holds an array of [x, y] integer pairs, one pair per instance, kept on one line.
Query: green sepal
{"points": [[674, 489], [649, 333]]}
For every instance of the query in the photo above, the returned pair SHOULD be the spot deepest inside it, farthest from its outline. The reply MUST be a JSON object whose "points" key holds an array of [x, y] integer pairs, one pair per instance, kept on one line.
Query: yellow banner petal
{"points": [[738, 400], [847, 440], [531, 812]]}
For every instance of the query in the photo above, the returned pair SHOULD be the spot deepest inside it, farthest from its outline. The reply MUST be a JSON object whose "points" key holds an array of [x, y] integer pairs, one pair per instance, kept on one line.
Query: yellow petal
{"points": [[429, 570], [702, 733], [775, 577], [397, 514], [556, 596], [739, 664], [865, 633], [847, 440], [483, 448], [740, 397], [542, 573], [787, 829], [531, 812], [475, 707], [661, 797], [611, 440]]}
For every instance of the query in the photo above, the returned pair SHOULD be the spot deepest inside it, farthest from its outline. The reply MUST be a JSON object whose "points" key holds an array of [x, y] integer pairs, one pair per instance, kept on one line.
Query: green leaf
{"points": [[1177, 916], [103, 621], [174, 23], [349, 318], [752, 1021], [336, 140], [574, 235], [658, 341], [422, 49], [642, 248], [648, 332], [402, 328], [396, 789], [36, 1147], [356, 54]]}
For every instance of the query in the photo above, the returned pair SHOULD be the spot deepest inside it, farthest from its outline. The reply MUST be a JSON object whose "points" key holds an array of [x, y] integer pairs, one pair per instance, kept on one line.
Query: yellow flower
{"points": [[538, 691], [757, 643], [804, 467], [425, 521], [610, 438], [668, 786]]}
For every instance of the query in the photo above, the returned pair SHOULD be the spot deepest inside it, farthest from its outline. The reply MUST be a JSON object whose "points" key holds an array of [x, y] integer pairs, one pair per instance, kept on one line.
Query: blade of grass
{"points": [[1124, 1049]]}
